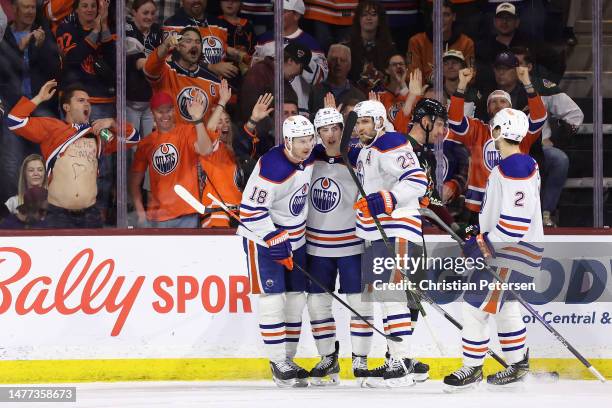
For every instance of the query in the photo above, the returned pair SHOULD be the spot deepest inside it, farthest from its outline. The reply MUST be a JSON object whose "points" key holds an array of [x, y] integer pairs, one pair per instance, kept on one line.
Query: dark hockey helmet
{"points": [[429, 107]]}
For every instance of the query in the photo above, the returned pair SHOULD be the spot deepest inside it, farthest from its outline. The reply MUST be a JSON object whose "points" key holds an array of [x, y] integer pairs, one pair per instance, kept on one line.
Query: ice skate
{"points": [[463, 379], [512, 376], [326, 372]]}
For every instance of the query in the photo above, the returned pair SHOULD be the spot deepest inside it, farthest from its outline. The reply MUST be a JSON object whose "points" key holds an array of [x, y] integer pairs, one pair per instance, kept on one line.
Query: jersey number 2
{"points": [[259, 195], [519, 198]]}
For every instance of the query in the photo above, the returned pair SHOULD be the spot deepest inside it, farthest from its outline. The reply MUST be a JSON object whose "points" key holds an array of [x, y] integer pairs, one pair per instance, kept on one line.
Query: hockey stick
{"points": [[194, 203], [261, 242], [426, 212], [344, 144]]}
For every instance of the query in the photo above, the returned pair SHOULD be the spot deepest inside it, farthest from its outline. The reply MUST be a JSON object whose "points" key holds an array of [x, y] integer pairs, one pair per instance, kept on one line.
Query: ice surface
{"points": [[254, 394]]}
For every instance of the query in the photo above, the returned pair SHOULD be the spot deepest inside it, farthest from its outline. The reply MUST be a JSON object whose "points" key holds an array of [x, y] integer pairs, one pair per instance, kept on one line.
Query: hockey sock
{"points": [[397, 321], [294, 307], [474, 336], [272, 325], [361, 333], [322, 322], [511, 332]]}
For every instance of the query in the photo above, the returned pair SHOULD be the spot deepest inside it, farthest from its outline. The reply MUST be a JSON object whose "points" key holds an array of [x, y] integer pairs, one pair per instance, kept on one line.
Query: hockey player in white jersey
{"points": [[334, 249], [391, 176], [510, 214], [274, 206]]}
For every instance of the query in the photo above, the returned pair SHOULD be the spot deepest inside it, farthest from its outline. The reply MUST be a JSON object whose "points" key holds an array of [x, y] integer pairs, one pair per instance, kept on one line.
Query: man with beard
{"points": [[182, 77], [214, 35], [475, 134]]}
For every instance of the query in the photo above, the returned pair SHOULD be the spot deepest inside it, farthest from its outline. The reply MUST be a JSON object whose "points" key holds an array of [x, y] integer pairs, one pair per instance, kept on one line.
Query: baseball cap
{"points": [[507, 59], [160, 99], [299, 53], [294, 5], [454, 54], [499, 94], [505, 8]]}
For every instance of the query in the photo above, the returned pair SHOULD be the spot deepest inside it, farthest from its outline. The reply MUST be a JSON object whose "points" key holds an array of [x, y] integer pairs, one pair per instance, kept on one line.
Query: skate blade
{"points": [[373, 382], [291, 383], [451, 389], [511, 387], [406, 381], [301, 383], [329, 380], [421, 377]]}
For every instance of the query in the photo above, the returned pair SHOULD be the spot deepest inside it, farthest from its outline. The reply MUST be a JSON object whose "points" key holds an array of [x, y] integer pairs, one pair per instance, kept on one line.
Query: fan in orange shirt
{"points": [[170, 154], [182, 77], [220, 167]]}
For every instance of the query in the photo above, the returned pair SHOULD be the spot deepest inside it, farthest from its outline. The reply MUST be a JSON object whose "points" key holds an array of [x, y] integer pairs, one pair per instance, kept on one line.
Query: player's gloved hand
{"points": [[478, 246], [470, 231], [280, 247], [382, 202]]}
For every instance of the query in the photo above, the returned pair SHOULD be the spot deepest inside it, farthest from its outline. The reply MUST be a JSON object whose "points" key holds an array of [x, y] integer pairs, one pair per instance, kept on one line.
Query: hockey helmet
{"points": [[294, 127], [513, 124], [429, 107], [327, 116], [373, 109]]}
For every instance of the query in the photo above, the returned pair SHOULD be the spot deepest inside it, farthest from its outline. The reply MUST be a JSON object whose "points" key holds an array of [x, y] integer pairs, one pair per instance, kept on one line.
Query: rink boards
{"points": [[163, 307]]}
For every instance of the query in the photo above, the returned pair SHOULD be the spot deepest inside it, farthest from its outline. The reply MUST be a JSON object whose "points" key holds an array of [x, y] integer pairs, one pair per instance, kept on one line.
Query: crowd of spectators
{"points": [[200, 85]]}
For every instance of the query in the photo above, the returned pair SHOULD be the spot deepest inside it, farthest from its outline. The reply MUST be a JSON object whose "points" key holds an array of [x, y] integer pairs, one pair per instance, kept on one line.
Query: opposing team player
{"points": [[274, 206], [510, 214], [334, 249], [391, 176], [476, 134]]}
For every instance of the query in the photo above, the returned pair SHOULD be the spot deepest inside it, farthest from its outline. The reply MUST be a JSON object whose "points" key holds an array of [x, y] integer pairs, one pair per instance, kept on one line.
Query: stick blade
{"points": [[396, 339], [189, 198], [347, 132]]}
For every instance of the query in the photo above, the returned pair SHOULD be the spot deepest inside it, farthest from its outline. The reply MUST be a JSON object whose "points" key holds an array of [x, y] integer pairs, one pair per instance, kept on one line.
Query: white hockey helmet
{"points": [[294, 127], [297, 126], [373, 109], [513, 124], [327, 116]]}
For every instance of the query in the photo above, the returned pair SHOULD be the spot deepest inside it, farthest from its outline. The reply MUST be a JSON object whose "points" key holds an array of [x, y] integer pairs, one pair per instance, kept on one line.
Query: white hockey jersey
{"points": [[389, 163], [511, 206], [276, 196], [330, 227]]}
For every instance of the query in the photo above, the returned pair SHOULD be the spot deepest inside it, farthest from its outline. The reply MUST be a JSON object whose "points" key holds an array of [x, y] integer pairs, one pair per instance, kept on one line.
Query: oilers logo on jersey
{"points": [[394, 110], [186, 95], [298, 200], [165, 158], [490, 155], [360, 171], [212, 50], [325, 195]]}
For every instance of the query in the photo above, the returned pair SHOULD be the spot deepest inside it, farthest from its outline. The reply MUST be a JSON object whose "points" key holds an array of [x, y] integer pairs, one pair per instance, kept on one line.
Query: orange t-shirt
{"points": [[171, 159], [221, 171], [182, 85]]}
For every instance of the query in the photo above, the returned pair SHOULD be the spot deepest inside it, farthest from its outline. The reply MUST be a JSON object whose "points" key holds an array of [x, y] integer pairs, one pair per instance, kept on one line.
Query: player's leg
{"points": [[295, 286], [512, 334], [267, 281], [475, 342], [322, 321], [359, 298]]}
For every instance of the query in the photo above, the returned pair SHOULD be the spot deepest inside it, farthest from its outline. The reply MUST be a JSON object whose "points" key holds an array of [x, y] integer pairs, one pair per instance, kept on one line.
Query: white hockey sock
{"points": [[322, 322], [294, 307], [397, 321], [361, 333], [272, 325], [475, 335], [511, 332]]}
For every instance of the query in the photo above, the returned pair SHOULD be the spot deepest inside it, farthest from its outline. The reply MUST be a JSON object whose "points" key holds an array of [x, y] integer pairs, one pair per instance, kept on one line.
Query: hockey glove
{"points": [[280, 247], [478, 246], [382, 202]]}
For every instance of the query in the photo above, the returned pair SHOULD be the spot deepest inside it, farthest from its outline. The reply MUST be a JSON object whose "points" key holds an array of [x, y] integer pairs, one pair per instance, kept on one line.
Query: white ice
{"points": [[255, 394]]}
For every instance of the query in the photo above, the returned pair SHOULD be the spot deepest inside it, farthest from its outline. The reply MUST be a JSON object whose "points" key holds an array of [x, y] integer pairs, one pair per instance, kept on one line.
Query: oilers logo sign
{"points": [[185, 97], [165, 158], [325, 195], [298, 200], [490, 155], [212, 50]]}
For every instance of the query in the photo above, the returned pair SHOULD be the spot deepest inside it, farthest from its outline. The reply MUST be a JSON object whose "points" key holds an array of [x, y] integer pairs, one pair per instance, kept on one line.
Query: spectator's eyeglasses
{"points": [[190, 41], [369, 13]]}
